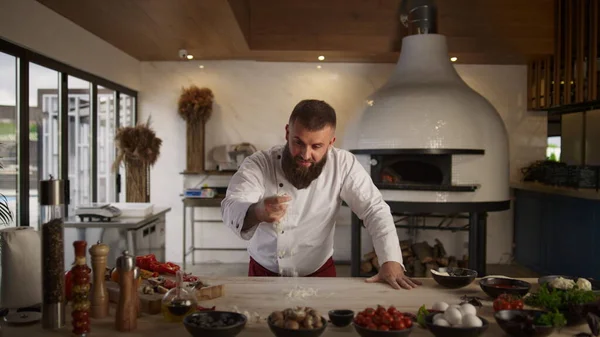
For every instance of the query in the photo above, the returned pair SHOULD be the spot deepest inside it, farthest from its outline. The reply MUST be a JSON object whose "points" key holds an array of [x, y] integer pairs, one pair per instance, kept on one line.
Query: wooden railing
{"points": [[570, 76]]}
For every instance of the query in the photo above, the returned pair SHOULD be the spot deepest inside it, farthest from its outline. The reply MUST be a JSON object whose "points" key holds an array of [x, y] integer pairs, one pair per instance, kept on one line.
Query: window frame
{"points": [[24, 58]]}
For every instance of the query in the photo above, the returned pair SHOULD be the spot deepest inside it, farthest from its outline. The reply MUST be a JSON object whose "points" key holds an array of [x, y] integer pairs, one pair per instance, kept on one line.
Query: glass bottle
{"points": [[178, 302], [52, 203], [81, 289]]}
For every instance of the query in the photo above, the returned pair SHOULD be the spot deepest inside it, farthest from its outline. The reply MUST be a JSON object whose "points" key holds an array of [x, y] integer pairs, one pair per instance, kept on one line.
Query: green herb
{"points": [[554, 299], [555, 319], [421, 314]]}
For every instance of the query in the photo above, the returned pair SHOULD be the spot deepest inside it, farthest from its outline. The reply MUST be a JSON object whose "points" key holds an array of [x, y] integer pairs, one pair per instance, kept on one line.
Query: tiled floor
{"points": [[241, 269]]}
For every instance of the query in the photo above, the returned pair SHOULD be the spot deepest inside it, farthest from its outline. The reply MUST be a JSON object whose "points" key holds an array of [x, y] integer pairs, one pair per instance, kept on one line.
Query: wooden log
{"points": [[407, 253], [429, 267], [452, 262], [423, 252], [366, 267], [440, 246], [406, 245], [375, 262], [442, 261], [418, 269], [369, 256]]}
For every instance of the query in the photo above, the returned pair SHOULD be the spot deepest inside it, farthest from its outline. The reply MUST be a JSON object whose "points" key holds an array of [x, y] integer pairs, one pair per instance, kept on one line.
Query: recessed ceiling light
{"points": [[321, 58], [454, 59], [201, 66], [190, 56]]}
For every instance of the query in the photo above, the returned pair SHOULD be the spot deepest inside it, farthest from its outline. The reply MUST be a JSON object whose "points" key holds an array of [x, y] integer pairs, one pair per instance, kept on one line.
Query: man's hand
{"points": [[392, 273], [272, 209]]}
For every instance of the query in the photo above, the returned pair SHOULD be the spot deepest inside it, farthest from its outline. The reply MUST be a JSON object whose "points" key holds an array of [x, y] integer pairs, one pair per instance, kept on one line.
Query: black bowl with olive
{"points": [[214, 323], [297, 322], [524, 323]]}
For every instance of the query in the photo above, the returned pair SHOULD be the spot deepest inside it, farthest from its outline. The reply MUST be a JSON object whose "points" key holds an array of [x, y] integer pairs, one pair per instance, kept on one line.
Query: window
{"points": [[44, 141], [8, 133], [553, 149], [62, 124]]}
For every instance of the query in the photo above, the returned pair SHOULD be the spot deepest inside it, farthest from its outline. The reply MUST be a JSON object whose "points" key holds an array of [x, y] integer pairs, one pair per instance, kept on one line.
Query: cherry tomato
{"points": [[399, 325], [367, 321], [392, 310], [372, 327], [516, 305], [380, 311], [369, 312], [376, 320], [384, 328], [408, 322], [386, 320]]}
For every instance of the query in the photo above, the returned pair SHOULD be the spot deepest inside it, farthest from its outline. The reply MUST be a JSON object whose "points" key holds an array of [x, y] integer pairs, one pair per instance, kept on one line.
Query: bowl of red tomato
{"points": [[496, 286], [508, 302], [382, 321]]}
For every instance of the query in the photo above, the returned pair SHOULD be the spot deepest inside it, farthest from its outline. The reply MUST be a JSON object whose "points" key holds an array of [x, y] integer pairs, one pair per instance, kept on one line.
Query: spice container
{"points": [[127, 308], [52, 203], [99, 295], [81, 290], [178, 302]]}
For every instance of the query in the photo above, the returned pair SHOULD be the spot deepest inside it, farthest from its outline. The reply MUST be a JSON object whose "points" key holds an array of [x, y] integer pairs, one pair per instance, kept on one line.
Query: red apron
{"points": [[327, 270]]}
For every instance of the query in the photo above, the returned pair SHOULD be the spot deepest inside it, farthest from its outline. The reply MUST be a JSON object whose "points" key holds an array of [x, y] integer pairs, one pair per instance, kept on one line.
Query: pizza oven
{"points": [[431, 143]]}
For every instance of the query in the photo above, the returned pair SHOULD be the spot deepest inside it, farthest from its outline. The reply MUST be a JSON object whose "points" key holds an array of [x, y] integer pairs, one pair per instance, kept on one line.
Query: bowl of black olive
{"points": [[297, 322], [214, 323]]}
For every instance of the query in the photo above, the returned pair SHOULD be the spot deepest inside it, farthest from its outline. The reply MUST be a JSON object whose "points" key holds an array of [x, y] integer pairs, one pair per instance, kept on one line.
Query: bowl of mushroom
{"points": [[297, 322]]}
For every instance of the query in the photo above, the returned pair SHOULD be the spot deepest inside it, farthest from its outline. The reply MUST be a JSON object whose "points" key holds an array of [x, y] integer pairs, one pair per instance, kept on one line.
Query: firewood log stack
{"points": [[419, 258]]}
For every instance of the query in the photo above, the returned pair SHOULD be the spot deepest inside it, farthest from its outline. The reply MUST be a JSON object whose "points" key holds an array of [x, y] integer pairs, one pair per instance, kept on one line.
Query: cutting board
{"points": [[151, 304]]}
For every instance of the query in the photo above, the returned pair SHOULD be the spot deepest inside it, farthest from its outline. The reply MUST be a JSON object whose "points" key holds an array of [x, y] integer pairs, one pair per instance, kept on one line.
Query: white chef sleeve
{"points": [[246, 187], [365, 200]]}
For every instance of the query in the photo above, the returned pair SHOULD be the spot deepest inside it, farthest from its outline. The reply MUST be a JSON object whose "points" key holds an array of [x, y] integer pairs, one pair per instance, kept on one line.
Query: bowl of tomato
{"points": [[381, 321], [508, 302], [496, 286]]}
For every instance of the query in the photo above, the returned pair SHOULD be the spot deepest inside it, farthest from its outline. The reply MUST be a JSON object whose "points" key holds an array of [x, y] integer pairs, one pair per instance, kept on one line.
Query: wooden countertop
{"points": [[264, 295], [119, 222], [584, 193]]}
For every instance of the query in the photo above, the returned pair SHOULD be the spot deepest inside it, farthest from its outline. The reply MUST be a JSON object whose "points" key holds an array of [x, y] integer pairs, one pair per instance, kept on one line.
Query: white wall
{"points": [[34, 26], [253, 102]]}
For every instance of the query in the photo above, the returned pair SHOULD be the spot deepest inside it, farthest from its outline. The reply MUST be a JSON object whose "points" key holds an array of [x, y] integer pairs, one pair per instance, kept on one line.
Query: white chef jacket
{"points": [[303, 240]]}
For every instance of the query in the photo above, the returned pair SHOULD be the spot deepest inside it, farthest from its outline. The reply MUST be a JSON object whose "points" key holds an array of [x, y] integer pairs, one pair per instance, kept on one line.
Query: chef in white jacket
{"points": [[285, 200]]}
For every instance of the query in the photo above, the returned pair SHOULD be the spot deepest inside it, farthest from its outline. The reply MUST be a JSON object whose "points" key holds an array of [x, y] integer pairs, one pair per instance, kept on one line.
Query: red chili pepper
{"points": [[189, 278], [145, 261], [169, 284], [168, 268]]}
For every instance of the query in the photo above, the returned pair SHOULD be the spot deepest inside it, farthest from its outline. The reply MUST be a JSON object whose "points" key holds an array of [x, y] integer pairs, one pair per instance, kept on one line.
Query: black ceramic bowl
{"points": [[364, 332], [496, 286], [448, 331], [514, 323], [283, 332], [341, 317], [459, 277], [237, 322], [546, 279]]}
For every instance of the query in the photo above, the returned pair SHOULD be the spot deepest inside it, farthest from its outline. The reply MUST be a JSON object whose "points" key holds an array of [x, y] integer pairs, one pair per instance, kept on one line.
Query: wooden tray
{"points": [[151, 304]]}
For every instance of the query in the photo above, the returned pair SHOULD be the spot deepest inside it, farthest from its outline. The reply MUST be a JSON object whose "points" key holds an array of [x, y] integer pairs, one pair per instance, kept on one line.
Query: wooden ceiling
{"points": [[478, 31]]}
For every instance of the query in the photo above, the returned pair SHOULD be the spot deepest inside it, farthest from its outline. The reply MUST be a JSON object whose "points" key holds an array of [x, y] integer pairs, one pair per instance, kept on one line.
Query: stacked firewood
{"points": [[419, 258]]}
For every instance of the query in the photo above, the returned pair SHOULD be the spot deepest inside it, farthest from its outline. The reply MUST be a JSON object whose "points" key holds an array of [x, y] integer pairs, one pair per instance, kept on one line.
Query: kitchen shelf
{"points": [[209, 173], [423, 187]]}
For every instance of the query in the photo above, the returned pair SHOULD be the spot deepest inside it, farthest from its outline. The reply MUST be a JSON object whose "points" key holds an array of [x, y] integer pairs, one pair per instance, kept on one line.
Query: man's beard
{"points": [[297, 175]]}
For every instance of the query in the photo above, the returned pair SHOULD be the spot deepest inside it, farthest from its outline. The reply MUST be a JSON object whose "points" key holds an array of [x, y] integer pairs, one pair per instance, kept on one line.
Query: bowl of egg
{"points": [[457, 321]]}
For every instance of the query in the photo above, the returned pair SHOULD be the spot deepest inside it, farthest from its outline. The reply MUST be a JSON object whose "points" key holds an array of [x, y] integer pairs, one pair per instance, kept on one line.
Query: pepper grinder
{"points": [[136, 297], [99, 308], [126, 316]]}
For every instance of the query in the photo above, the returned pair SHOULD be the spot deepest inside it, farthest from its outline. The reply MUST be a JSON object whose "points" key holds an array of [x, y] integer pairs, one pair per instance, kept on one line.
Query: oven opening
{"points": [[412, 172]]}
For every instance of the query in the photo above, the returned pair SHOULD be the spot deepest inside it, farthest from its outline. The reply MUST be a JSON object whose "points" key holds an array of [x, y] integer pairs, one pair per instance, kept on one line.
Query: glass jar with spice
{"points": [[52, 203]]}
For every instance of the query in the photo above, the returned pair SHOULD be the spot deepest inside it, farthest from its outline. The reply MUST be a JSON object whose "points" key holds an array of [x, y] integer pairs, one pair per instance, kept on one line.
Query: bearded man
{"points": [[285, 201]]}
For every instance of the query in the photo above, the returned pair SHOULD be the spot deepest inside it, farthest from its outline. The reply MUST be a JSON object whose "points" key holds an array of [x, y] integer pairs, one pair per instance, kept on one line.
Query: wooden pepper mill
{"points": [[99, 295], [126, 316]]}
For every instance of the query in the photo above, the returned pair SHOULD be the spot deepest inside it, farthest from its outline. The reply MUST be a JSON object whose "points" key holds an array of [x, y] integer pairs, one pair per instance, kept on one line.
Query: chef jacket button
{"points": [[278, 157], [280, 185]]}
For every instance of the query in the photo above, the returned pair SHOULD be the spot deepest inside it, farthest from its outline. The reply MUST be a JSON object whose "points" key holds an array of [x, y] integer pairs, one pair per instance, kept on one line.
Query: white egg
{"points": [[453, 316], [455, 306], [471, 321], [468, 308], [441, 322], [438, 316], [441, 306]]}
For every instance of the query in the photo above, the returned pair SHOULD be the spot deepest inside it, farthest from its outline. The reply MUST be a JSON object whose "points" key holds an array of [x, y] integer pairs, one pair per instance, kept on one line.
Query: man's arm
{"points": [[365, 200], [245, 189]]}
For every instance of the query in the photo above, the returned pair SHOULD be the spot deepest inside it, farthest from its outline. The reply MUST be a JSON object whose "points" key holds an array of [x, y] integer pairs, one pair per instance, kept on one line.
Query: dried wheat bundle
{"points": [[137, 145], [195, 104]]}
